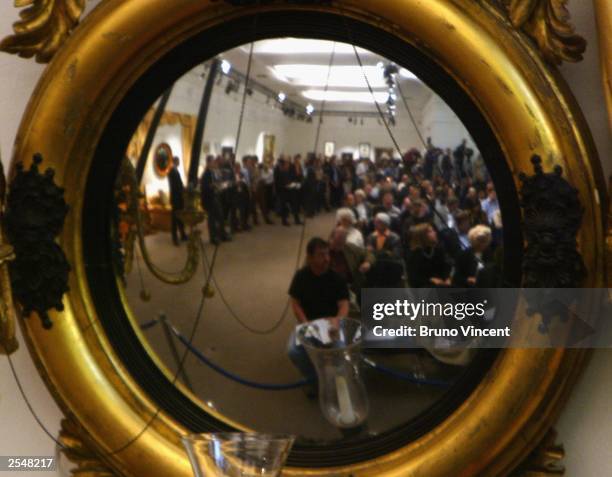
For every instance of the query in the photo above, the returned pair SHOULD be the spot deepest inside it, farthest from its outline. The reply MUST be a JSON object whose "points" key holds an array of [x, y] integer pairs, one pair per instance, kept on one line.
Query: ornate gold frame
{"points": [[187, 122], [525, 102]]}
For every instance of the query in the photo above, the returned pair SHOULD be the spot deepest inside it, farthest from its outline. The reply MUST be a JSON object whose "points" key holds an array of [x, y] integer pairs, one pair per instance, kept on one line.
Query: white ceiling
{"points": [[300, 69]]}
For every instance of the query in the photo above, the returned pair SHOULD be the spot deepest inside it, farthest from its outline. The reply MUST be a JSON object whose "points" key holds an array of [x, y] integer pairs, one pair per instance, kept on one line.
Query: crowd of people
{"points": [[431, 218]]}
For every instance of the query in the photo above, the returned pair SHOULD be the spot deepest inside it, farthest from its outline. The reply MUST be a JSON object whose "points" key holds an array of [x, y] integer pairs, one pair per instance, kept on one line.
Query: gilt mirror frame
{"points": [[161, 168], [528, 107]]}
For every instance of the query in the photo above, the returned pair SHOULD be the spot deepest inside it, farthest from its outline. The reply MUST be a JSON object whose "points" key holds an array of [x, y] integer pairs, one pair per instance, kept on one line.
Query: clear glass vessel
{"points": [[334, 347], [235, 454]]}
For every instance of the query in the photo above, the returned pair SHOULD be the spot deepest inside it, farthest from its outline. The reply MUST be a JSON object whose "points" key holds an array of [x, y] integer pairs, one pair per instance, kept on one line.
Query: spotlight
{"points": [[226, 67], [282, 97], [309, 109], [390, 70]]}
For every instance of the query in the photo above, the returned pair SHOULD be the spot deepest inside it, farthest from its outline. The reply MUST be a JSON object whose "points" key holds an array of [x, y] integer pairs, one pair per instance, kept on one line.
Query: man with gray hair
{"points": [[361, 208], [383, 242], [386, 246], [346, 218]]}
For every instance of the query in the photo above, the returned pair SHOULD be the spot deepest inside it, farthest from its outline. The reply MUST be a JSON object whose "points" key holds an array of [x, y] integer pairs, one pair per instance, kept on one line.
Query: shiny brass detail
{"points": [[527, 107], [547, 22], [603, 11], [187, 122], [43, 27], [545, 460], [8, 341], [88, 464]]}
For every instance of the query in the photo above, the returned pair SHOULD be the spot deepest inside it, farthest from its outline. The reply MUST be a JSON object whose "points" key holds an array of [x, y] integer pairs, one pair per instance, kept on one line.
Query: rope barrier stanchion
{"points": [[264, 386], [148, 324], [284, 387]]}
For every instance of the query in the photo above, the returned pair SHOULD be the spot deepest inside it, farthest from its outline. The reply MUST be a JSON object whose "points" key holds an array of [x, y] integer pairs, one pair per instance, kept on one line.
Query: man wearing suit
{"points": [[177, 201], [284, 181], [387, 249], [211, 201]]}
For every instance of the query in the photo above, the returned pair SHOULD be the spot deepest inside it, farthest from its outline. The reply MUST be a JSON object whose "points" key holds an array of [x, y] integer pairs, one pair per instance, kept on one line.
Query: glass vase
{"points": [[234, 454], [334, 347]]}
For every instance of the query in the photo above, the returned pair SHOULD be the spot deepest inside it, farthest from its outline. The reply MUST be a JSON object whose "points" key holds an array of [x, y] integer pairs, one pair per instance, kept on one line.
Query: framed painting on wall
{"points": [[268, 149], [162, 160], [364, 150]]}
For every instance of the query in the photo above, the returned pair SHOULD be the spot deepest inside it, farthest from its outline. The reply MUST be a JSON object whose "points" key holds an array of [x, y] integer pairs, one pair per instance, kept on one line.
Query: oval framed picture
{"points": [[162, 161]]}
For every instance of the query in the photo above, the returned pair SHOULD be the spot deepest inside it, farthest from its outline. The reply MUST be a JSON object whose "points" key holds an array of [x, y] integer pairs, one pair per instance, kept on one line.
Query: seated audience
{"points": [[475, 266], [349, 261], [426, 261], [346, 219]]}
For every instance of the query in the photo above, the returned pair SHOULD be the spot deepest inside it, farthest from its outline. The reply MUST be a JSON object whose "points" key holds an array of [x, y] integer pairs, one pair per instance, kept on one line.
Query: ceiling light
{"points": [[318, 76], [345, 96], [282, 97], [309, 109], [296, 46], [226, 67]]}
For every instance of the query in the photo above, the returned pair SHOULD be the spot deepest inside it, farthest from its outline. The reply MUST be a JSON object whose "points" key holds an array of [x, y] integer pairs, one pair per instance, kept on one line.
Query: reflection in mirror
{"points": [[162, 161], [318, 177]]}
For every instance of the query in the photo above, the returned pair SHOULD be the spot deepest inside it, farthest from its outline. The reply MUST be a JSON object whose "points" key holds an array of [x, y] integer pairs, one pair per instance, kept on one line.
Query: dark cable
{"points": [[244, 94], [324, 101], [384, 120], [28, 403], [303, 231]]}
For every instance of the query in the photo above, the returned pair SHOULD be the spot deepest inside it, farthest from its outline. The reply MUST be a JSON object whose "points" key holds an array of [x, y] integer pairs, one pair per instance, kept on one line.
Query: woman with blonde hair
{"points": [[426, 261]]}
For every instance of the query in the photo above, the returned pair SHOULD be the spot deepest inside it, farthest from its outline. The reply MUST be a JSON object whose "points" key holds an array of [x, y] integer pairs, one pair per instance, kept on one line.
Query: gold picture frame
{"points": [[526, 104], [269, 148], [162, 160]]}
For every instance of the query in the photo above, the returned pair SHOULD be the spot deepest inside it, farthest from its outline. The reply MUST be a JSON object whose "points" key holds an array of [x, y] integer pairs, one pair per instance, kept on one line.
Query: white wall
{"points": [[292, 136], [586, 425], [222, 121], [348, 135], [443, 126], [585, 428], [19, 433]]}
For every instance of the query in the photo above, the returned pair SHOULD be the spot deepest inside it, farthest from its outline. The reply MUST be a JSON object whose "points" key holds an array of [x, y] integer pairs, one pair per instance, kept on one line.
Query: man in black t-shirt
{"points": [[316, 292]]}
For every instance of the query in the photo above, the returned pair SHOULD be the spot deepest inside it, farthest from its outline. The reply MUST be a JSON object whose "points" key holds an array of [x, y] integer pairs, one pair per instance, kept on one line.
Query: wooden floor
{"points": [[252, 274]]}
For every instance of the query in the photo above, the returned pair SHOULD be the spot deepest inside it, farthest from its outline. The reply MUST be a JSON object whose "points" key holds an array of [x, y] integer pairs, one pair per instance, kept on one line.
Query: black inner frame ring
{"points": [[98, 204]]}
